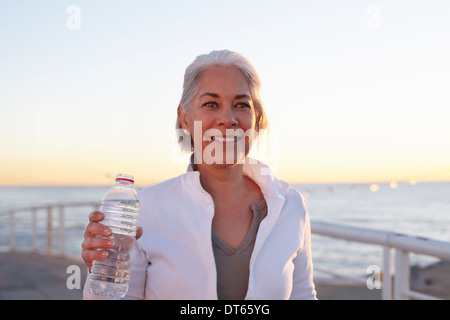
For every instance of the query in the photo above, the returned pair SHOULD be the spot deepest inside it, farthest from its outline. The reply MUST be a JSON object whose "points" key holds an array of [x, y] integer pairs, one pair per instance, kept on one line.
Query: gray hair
{"points": [[222, 58]]}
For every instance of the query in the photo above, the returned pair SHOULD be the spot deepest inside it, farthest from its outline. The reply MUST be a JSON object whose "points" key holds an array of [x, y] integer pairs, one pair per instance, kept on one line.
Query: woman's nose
{"points": [[227, 118]]}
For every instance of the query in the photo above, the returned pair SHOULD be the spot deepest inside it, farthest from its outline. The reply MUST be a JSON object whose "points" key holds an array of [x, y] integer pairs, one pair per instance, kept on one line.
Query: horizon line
{"points": [[367, 182]]}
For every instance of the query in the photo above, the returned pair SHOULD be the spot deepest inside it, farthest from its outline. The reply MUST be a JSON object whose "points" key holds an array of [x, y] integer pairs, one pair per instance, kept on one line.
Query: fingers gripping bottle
{"points": [[120, 205]]}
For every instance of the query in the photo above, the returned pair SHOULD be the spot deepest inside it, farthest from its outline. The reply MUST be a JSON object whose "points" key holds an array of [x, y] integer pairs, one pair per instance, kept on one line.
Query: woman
{"points": [[226, 229]]}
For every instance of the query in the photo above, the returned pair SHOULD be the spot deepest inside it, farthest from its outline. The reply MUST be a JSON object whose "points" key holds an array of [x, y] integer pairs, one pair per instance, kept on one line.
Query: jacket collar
{"points": [[260, 173]]}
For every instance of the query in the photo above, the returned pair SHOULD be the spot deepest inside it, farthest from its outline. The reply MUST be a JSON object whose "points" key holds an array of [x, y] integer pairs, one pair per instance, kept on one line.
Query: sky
{"points": [[355, 91]]}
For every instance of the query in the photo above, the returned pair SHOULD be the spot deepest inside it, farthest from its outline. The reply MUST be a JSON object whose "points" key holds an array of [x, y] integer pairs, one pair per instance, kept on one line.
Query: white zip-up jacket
{"points": [[174, 257]]}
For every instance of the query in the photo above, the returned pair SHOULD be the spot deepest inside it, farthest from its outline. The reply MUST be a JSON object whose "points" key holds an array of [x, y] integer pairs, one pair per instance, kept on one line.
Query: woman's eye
{"points": [[210, 105], [243, 105]]}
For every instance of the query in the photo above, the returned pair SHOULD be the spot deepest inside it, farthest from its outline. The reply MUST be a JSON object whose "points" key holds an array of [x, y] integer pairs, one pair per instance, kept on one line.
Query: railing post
{"points": [[34, 230], [386, 291], [12, 232], [401, 279], [50, 237], [61, 235]]}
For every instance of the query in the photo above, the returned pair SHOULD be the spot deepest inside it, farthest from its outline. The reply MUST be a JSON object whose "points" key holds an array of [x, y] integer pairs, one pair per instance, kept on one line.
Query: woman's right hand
{"points": [[92, 243]]}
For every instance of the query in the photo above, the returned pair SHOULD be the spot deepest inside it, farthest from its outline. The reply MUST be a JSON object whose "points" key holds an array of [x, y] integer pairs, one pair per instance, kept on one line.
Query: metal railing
{"points": [[402, 244], [52, 233]]}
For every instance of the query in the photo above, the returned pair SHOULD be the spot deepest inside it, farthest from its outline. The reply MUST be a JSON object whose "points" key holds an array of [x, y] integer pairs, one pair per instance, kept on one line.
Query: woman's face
{"points": [[221, 117]]}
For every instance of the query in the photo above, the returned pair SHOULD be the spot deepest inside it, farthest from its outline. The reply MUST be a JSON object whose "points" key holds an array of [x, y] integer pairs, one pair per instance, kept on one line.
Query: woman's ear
{"points": [[182, 118]]}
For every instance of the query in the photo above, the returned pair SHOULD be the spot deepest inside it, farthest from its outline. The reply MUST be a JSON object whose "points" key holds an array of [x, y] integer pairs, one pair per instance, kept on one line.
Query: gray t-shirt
{"points": [[233, 264]]}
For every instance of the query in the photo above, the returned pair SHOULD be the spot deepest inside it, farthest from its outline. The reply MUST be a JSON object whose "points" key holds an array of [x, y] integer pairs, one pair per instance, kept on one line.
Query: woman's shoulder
{"points": [[290, 193], [295, 194], [296, 201]]}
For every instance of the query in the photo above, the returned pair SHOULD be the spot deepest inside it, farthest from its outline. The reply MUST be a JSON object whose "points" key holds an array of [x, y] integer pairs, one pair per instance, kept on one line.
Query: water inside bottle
{"points": [[110, 277], [121, 216]]}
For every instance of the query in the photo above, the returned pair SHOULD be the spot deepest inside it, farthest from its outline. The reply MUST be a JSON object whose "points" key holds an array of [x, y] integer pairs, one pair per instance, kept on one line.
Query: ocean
{"points": [[421, 210]]}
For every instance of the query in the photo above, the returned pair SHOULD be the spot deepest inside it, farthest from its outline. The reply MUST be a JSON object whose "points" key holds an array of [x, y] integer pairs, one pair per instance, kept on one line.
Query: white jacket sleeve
{"points": [[303, 286], [138, 273]]}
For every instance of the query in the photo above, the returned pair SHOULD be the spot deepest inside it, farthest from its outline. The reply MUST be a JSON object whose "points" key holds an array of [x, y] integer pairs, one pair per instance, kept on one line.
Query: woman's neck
{"points": [[227, 182]]}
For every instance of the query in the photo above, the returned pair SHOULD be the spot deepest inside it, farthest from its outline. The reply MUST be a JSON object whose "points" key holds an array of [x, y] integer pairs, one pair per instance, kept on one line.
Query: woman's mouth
{"points": [[222, 139]]}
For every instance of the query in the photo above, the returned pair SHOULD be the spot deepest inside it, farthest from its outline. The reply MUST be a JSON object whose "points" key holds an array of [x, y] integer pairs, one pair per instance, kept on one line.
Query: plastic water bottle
{"points": [[120, 205]]}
